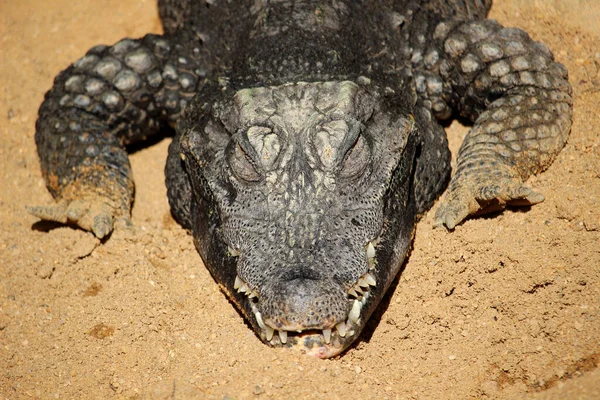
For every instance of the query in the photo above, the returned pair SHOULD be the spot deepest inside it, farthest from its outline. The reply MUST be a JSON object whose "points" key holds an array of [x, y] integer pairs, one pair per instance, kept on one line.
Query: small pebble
{"points": [[257, 390]]}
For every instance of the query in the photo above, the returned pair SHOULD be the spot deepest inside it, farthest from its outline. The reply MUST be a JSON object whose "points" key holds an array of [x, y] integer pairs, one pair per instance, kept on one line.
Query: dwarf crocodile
{"points": [[309, 140]]}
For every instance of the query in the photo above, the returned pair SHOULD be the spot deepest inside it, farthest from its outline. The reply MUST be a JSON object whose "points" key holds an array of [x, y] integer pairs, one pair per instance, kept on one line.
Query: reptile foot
{"points": [[94, 216], [464, 201]]}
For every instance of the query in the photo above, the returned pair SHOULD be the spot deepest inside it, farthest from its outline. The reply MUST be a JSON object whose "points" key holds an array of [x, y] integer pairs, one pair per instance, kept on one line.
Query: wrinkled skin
{"points": [[309, 142]]}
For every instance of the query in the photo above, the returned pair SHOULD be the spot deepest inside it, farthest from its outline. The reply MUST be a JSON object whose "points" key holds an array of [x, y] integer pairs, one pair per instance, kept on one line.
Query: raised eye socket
{"points": [[242, 166], [356, 160], [266, 144]]}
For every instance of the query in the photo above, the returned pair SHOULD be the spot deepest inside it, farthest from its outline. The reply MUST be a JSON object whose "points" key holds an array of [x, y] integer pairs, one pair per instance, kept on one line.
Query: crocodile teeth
{"points": [[370, 250], [354, 314], [244, 288], [370, 279], [361, 287], [341, 327], [259, 320], [238, 282], [364, 299], [327, 335], [233, 252], [372, 264], [367, 280], [270, 332], [283, 336]]}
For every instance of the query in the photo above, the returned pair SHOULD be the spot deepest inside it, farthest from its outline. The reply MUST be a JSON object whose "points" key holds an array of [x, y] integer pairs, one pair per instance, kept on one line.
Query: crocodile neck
{"points": [[274, 49]]}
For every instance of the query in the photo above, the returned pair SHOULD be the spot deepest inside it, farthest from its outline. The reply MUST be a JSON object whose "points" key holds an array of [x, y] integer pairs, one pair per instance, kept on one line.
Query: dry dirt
{"points": [[503, 307]]}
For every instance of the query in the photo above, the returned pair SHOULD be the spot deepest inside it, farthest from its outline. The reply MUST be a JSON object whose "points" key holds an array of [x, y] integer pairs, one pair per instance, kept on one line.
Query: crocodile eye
{"points": [[328, 143], [266, 144], [242, 165], [356, 160]]}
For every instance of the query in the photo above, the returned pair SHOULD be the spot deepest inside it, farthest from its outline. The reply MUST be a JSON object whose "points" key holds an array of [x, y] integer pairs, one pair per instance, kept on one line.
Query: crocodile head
{"points": [[303, 206]]}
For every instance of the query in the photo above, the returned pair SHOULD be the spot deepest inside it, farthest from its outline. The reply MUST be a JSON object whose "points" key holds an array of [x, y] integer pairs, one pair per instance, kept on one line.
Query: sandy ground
{"points": [[503, 307]]}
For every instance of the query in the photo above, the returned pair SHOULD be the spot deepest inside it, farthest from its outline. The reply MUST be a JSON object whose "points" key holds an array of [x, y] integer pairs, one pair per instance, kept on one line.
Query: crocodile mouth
{"points": [[322, 343], [331, 337]]}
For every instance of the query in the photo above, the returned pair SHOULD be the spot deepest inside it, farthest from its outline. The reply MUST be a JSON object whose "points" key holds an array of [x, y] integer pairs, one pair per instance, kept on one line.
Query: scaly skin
{"points": [[308, 142], [520, 102], [111, 97]]}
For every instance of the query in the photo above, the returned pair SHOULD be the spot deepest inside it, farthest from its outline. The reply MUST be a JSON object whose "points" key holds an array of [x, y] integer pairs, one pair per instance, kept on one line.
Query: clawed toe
{"points": [[55, 213], [94, 216], [451, 213], [102, 225], [483, 199], [528, 197]]}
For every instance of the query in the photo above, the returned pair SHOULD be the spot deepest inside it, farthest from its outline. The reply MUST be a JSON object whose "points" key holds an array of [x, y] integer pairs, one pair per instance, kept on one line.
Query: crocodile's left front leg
{"points": [[520, 101]]}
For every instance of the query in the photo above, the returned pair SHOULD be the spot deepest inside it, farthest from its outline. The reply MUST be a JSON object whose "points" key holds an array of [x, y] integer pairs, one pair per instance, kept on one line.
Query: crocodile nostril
{"points": [[299, 273]]}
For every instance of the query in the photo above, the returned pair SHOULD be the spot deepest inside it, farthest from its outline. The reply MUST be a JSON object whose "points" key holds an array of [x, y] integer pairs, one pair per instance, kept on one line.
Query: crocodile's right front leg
{"points": [[111, 97]]}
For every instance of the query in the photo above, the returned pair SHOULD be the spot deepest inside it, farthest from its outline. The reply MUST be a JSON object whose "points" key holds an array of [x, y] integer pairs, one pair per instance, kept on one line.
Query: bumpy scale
{"points": [[308, 142]]}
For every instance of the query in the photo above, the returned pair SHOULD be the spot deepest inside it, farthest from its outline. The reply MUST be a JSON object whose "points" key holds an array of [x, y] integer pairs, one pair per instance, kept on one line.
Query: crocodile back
{"points": [[461, 9]]}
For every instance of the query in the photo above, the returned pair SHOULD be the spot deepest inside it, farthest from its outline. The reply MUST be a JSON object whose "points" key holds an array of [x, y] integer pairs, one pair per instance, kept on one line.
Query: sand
{"points": [[505, 306]]}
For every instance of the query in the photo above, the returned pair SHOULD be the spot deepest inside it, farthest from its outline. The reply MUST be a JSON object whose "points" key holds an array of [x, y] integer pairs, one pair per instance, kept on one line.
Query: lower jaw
{"points": [[326, 351], [313, 344]]}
